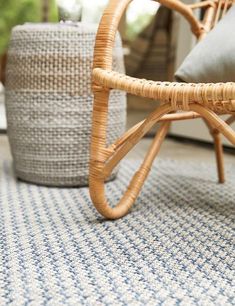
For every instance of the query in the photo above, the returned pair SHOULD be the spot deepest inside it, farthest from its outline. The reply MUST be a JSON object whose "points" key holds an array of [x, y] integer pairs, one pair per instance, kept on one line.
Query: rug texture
{"points": [[176, 247]]}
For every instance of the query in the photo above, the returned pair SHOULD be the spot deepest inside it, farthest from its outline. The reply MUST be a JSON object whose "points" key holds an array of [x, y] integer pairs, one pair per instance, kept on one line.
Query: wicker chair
{"points": [[207, 101]]}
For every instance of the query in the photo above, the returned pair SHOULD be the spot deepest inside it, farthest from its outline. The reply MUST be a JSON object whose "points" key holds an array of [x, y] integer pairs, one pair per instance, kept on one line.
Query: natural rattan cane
{"points": [[196, 100]]}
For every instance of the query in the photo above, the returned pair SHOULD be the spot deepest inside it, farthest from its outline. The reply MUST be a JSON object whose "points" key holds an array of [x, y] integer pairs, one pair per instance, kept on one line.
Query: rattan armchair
{"points": [[207, 101]]}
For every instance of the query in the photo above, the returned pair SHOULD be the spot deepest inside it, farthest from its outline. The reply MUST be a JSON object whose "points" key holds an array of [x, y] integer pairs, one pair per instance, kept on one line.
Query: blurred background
{"points": [[155, 42]]}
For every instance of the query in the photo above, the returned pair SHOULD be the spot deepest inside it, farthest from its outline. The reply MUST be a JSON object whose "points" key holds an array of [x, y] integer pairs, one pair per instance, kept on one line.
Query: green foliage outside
{"points": [[13, 12]]}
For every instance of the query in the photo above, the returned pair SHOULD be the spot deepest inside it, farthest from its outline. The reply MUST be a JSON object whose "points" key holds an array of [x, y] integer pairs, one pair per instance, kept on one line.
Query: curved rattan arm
{"points": [[106, 33], [110, 21]]}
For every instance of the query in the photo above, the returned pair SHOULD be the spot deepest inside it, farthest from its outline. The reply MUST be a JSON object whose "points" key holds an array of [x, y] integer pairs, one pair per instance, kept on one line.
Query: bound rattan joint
{"points": [[195, 100]]}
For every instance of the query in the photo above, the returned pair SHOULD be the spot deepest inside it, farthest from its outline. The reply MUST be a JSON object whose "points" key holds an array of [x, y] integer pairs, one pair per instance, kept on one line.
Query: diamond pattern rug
{"points": [[176, 247]]}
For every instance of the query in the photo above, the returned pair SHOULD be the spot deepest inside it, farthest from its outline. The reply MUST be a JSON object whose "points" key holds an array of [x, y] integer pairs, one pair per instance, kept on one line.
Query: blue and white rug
{"points": [[175, 248]]}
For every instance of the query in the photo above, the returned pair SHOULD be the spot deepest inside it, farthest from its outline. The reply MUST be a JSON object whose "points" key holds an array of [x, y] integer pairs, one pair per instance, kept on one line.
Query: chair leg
{"points": [[97, 189], [219, 153], [103, 159], [216, 124], [99, 158]]}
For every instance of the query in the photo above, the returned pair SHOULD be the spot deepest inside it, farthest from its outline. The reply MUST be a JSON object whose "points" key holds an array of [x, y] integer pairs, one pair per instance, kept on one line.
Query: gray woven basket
{"points": [[49, 102]]}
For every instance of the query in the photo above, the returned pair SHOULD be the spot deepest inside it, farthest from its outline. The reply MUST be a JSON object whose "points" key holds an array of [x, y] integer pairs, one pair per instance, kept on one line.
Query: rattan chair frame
{"points": [[207, 101]]}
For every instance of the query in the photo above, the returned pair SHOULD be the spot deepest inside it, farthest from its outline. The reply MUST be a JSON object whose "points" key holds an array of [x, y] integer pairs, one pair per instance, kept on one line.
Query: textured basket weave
{"points": [[49, 102]]}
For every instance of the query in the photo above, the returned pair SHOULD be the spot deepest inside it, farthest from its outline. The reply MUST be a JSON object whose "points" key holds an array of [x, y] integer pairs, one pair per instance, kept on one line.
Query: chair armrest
{"points": [[106, 33]]}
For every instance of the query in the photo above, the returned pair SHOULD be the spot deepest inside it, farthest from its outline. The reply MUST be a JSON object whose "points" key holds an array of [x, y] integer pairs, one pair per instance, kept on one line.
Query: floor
{"points": [[174, 248]]}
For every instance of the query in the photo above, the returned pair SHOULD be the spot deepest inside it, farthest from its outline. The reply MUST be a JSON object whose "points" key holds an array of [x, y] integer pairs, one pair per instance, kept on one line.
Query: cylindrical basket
{"points": [[49, 102]]}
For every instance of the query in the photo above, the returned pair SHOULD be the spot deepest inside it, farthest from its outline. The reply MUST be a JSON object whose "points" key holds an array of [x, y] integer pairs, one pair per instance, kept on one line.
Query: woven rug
{"points": [[175, 248]]}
